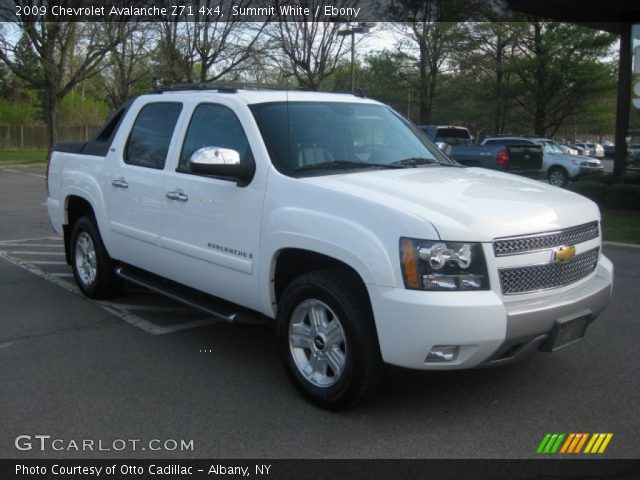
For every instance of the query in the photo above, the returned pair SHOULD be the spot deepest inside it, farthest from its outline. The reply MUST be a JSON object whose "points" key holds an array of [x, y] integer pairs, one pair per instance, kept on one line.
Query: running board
{"points": [[216, 307]]}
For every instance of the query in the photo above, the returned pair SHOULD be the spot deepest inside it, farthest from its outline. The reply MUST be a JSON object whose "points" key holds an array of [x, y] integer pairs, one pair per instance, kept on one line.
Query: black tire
{"points": [[104, 283], [346, 297], [558, 177]]}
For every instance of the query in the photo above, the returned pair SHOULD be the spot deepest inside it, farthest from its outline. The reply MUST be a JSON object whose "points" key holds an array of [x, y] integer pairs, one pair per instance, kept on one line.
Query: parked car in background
{"points": [[633, 157], [598, 149], [581, 150], [523, 160], [559, 167], [595, 149], [568, 150], [448, 134], [609, 149]]}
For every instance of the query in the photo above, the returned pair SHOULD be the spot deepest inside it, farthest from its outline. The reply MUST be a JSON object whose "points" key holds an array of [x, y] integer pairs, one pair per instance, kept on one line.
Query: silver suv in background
{"points": [[560, 168], [594, 149]]}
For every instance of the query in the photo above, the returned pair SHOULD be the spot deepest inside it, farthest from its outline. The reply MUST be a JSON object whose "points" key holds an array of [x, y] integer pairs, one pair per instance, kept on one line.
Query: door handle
{"points": [[179, 196], [120, 183]]}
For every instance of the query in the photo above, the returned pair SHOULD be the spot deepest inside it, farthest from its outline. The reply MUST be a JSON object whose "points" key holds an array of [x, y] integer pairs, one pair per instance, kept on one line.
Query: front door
{"points": [[211, 232]]}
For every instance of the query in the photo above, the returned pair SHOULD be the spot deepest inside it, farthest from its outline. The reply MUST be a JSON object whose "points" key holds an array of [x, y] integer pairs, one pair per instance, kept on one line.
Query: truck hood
{"points": [[466, 204]]}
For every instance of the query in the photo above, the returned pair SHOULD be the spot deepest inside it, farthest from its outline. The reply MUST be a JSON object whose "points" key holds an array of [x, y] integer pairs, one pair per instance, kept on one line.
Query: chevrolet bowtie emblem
{"points": [[564, 254]]}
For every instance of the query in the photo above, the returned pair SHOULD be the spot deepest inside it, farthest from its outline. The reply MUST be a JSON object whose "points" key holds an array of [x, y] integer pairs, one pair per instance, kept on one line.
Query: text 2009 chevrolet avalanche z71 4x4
{"points": [[336, 219]]}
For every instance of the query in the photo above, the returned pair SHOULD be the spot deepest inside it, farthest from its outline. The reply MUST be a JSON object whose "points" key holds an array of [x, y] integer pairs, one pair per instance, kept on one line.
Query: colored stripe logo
{"points": [[574, 443]]}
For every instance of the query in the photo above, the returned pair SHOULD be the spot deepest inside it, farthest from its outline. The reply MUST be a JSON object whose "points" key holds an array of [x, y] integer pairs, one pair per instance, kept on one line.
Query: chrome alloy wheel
{"points": [[317, 343], [85, 257]]}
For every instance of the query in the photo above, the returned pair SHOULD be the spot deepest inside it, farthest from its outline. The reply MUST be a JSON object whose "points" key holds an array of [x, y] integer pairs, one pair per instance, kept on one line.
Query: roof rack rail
{"points": [[223, 87], [355, 93], [233, 87]]}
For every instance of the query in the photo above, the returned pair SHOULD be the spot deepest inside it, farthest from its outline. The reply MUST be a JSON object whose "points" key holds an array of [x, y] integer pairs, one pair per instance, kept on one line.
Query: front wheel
{"points": [[558, 177], [328, 340], [93, 269]]}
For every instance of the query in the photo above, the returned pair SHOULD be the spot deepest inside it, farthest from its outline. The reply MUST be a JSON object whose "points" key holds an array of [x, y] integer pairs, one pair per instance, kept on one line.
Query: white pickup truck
{"points": [[335, 219]]}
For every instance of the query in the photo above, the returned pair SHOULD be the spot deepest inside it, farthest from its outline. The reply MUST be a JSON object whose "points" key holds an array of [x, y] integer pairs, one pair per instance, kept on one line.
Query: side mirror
{"points": [[445, 148], [221, 162]]}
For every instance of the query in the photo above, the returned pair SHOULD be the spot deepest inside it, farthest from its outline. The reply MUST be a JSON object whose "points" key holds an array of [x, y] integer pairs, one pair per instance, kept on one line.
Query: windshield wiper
{"points": [[415, 161], [418, 161], [345, 164]]}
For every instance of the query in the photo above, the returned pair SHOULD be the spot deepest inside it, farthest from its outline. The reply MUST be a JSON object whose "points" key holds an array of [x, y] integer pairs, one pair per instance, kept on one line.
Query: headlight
{"points": [[443, 266], [581, 163]]}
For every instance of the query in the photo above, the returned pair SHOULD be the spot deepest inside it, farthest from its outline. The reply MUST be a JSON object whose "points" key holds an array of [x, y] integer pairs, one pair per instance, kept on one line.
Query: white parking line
{"points": [[34, 245], [47, 262], [24, 173], [23, 240], [27, 252], [112, 308], [63, 275]]}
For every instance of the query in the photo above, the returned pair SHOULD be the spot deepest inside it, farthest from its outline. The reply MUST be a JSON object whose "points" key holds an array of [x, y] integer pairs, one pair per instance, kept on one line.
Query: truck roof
{"points": [[252, 94]]}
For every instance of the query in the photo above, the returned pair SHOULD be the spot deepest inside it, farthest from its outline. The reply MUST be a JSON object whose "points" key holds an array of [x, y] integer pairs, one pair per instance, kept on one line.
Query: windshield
{"points": [[312, 138]]}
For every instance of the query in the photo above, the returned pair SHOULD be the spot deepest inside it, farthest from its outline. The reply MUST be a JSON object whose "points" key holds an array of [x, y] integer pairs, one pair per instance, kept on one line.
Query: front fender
{"points": [[331, 235]]}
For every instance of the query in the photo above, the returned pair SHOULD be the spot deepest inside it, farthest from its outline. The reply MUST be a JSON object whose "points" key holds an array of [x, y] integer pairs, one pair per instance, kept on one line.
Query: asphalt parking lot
{"points": [[136, 368]]}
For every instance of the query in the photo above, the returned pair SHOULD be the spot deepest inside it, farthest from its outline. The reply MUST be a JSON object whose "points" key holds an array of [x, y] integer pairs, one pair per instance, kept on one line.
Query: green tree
{"points": [[486, 64], [559, 69], [63, 54], [433, 30]]}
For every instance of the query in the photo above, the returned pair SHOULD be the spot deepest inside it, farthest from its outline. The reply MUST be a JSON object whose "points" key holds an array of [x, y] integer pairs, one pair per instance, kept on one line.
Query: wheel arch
{"points": [[289, 263], [75, 207]]}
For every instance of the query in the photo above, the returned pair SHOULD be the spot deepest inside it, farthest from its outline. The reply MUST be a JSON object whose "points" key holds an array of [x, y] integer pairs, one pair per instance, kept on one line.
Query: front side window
{"points": [[213, 126], [327, 137], [151, 135]]}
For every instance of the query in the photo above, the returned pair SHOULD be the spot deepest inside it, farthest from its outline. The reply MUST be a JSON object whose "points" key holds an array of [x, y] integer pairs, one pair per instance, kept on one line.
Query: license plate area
{"points": [[566, 332]]}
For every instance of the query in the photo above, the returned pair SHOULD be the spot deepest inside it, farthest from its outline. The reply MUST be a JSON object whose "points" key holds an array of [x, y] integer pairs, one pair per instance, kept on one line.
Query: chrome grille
{"points": [[540, 241], [549, 275]]}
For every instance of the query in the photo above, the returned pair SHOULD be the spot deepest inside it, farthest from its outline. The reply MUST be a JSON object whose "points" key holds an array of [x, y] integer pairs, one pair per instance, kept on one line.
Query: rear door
{"points": [[134, 184]]}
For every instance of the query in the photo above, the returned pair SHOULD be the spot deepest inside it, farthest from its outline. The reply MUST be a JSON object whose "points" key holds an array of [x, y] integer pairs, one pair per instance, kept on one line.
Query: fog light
{"points": [[443, 353]]}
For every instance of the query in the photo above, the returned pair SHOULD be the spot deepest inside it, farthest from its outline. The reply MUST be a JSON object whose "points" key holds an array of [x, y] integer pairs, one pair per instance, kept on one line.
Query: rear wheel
{"points": [[93, 269], [328, 340], [558, 177]]}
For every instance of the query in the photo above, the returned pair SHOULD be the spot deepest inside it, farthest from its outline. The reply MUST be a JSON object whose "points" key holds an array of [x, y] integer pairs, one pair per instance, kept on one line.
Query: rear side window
{"points": [[151, 135], [213, 126]]}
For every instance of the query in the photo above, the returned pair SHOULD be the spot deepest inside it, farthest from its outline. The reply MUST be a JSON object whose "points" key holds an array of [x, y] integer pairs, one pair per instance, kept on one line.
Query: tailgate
{"points": [[524, 157]]}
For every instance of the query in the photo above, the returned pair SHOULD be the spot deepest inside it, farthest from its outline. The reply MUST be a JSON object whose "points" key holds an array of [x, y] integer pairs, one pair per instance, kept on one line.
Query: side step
{"points": [[216, 307]]}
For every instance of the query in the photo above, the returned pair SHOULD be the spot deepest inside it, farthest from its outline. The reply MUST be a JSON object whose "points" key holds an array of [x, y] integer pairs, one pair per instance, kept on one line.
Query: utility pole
{"points": [[361, 27]]}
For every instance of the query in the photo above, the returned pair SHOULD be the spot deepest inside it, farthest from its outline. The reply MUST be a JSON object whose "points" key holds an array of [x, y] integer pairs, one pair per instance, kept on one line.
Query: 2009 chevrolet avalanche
{"points": [[335, 219]]}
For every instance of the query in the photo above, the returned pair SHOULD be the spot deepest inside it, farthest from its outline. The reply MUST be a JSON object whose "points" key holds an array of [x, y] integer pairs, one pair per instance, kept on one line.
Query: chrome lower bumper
{"points": [[531, 322]]}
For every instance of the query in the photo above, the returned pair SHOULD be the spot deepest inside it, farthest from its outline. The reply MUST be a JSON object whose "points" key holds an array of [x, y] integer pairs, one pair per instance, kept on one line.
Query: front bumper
{"points": [[487, 330], [586, 170]]}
